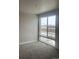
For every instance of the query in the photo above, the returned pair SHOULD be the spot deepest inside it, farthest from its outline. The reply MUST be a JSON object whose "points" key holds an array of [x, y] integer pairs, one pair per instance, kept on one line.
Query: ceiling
{"points": [[37, 6]]}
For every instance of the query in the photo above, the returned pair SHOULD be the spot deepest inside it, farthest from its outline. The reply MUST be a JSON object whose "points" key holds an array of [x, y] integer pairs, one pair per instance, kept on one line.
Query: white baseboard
{"points": [[26, 42]]}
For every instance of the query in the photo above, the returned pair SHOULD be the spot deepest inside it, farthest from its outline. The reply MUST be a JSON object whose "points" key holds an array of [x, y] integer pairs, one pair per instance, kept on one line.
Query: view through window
{"points": [[47, 29]]}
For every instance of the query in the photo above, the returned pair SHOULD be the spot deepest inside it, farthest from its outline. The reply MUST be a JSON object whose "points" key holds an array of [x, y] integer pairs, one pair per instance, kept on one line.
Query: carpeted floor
{"points": [[37, 50]]}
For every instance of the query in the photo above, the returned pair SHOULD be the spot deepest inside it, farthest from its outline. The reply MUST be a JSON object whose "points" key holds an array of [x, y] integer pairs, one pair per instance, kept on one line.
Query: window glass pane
{"points": [[43, 26], [51, 26]]}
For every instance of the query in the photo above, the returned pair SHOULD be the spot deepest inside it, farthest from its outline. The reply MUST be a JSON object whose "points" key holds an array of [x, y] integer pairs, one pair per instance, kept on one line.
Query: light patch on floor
{"points": [[47, 41]]}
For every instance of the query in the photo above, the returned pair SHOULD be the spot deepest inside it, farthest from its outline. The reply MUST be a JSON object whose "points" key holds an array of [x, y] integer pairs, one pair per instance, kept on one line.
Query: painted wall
{"points": [[28, 27]]}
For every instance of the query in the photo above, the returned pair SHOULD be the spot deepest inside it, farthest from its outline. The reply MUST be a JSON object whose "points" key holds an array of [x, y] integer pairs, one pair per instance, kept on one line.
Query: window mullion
{"points": [[47, 26]]}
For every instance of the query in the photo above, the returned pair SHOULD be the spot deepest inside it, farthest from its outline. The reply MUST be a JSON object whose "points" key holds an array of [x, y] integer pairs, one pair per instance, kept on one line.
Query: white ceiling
{"points": [[37, 6]]}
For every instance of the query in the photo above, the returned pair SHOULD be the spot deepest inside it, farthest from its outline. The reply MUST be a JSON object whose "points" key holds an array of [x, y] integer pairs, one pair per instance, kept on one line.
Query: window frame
{"points": [[46, 27], [47, 14]]}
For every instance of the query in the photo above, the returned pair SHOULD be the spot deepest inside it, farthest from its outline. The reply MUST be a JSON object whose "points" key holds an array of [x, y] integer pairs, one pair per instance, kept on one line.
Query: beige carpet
{"points": [[37, 50]]}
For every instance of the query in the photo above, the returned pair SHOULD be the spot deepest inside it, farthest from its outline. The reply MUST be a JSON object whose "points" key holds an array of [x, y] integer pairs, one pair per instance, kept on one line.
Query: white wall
{"points": [[28, 27]]}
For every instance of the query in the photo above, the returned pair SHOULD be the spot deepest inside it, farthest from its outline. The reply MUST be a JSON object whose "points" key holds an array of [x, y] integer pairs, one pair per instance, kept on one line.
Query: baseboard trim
{"points": [[26, 42]]}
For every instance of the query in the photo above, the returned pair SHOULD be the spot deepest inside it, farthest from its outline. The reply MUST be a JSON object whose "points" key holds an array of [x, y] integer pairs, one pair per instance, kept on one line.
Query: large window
{"points": [[47, 26]]}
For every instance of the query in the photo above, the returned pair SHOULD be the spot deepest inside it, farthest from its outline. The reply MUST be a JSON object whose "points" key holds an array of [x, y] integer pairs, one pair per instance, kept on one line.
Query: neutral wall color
{"points": [[28, 27]]}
